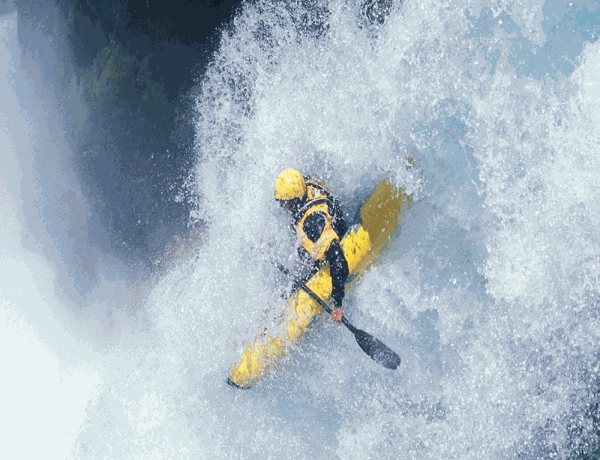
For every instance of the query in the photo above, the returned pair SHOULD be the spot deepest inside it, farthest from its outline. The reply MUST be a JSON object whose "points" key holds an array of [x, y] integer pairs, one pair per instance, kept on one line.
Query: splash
{"points": [[489, 293]]}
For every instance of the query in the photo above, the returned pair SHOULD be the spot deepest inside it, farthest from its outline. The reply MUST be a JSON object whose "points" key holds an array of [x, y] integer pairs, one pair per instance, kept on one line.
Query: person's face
{"points": [[285, 205]]}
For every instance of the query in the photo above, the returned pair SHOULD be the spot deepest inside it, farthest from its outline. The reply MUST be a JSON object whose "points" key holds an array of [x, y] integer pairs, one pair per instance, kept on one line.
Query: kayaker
{"points": [[319, 224]]}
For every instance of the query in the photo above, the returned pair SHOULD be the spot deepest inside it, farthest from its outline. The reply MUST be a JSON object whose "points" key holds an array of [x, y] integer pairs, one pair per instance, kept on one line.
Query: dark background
{"points": [[137, 64]]}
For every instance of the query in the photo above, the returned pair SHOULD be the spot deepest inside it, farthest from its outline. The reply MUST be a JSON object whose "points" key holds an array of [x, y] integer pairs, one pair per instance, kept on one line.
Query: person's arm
{"points": [[338, 269]]}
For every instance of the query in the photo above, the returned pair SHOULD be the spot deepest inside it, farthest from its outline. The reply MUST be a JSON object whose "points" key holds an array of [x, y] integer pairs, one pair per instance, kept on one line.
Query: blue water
{"points": [[489, 293]]}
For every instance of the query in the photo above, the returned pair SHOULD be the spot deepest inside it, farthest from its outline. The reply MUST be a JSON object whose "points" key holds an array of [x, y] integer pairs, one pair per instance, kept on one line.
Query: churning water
{"points": [[489, 294]]}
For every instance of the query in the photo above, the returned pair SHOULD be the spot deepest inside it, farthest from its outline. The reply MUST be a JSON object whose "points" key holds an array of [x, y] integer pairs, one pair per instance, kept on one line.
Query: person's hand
{"points": [[337, 314]]}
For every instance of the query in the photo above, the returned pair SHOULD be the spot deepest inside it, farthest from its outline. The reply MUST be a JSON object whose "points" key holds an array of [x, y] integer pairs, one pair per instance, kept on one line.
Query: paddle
{"points": [[377, 350]]}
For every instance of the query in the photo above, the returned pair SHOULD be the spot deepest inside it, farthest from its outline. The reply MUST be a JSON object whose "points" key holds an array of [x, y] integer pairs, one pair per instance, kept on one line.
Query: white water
{"points": [[489, 294]]}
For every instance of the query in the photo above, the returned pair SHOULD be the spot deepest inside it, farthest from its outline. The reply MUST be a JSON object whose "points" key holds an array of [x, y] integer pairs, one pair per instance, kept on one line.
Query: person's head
{"points": [[290, 190]]}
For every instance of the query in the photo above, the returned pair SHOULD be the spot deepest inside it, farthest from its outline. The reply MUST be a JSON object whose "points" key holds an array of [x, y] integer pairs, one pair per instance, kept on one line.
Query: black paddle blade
{"points": [[377, 350]]}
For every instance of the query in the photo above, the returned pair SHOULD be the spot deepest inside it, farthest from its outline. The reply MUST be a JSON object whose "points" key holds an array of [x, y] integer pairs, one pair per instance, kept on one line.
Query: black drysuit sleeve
{"points": [[338, 268]]}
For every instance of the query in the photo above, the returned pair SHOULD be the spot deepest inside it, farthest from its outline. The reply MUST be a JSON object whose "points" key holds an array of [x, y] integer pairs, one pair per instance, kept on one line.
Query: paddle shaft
{"points": [[318, 299], [376, 349]]}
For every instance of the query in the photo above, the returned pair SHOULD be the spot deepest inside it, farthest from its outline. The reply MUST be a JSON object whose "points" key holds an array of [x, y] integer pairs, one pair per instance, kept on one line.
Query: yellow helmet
{"points": [[289, 185]]}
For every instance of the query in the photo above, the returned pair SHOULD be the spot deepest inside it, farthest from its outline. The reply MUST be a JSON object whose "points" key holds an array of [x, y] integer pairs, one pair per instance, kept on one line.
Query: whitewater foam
{"points": [[489, 293]]}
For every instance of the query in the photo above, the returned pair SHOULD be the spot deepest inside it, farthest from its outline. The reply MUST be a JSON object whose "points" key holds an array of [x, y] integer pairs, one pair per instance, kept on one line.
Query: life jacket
{"points": [[317, 200]]}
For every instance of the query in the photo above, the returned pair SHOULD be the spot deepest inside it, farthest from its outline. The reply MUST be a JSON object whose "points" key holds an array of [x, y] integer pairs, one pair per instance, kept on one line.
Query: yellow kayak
{"points": [[381, 215]]}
